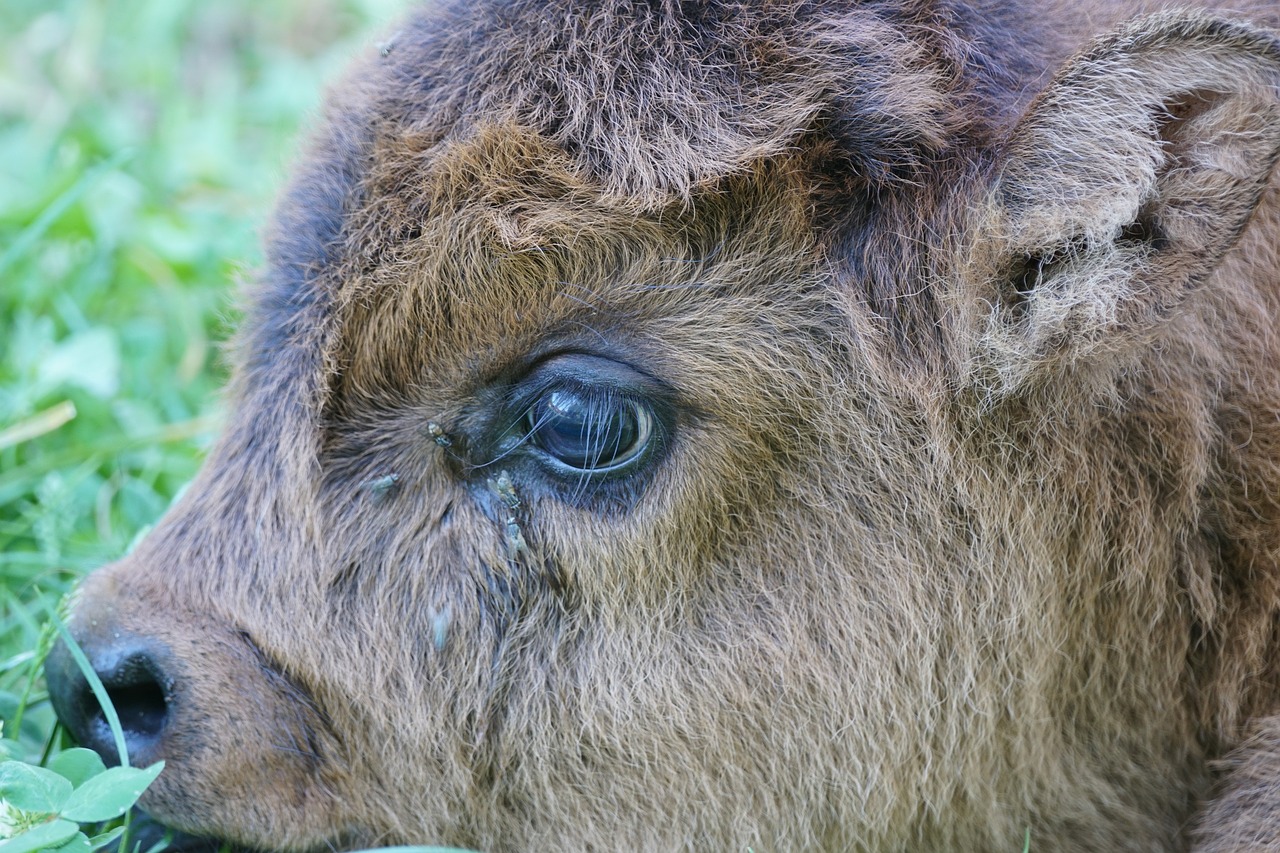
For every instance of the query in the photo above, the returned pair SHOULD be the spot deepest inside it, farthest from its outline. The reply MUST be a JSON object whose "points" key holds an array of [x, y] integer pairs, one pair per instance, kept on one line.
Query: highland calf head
{"points": [[702, 425]]}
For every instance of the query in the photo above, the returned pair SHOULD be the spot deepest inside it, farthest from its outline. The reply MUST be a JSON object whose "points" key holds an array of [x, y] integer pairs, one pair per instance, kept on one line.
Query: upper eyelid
{"points": [[545, 377]]}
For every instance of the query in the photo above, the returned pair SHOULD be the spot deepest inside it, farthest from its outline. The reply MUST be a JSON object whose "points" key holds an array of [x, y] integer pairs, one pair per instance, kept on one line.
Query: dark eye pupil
{"points": [[587, 433]]}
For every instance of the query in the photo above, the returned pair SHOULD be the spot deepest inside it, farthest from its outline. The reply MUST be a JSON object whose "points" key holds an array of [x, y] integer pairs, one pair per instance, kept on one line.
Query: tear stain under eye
{"points": [[511, 596], [505, 489], [507, 594]]}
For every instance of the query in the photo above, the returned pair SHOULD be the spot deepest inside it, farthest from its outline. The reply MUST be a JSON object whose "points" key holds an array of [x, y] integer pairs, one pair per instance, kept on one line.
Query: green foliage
{"points": [[42, 808], [141, 144]]}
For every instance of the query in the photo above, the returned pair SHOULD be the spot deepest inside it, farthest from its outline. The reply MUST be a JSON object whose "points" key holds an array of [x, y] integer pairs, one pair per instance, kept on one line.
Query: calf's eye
{"points": [[590, 432]]}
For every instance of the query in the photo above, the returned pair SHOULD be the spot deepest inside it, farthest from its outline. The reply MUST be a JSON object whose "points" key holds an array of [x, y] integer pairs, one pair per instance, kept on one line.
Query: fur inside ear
{"points": [[1120, 191]]}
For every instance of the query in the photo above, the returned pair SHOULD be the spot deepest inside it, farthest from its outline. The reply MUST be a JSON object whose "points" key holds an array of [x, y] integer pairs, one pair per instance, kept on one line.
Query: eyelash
{"points": [[600, 431]]}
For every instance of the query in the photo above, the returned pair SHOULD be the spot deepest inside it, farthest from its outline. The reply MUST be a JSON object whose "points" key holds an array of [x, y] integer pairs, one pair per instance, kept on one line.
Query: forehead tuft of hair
{"points": [[653, 100]]}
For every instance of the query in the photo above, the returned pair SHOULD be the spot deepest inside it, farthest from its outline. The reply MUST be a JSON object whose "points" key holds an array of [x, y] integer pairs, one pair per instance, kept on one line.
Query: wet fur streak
{"points": [[954, 330]]}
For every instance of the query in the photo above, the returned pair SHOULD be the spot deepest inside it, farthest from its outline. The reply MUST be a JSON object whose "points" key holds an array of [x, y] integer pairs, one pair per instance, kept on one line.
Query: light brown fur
{"points": [[966, 522]]}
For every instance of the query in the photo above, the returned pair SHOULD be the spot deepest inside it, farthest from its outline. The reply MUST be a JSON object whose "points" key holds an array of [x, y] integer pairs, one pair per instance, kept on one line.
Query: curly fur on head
{"points": [[930, 350]]}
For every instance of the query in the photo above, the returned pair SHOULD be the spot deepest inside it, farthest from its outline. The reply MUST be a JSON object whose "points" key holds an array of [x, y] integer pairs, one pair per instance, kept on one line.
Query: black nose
{"points": [[134, 675]]}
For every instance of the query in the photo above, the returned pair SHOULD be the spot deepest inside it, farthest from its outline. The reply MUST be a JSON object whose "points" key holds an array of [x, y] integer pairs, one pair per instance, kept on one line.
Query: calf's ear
{"points": [[1118, 193]]}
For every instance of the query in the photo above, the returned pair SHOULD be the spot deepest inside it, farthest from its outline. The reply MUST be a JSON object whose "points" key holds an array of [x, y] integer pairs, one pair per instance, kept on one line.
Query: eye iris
{"points": [[589, 434]]}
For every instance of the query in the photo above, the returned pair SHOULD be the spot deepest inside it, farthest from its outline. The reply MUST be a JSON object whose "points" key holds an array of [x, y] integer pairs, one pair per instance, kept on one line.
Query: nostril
{"points": [[142, 709], [136, 685], [139, 699]]}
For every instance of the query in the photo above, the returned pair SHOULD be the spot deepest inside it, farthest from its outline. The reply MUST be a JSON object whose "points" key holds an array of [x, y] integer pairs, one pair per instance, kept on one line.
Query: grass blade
{"points": [[95, 684], [37, 425]]}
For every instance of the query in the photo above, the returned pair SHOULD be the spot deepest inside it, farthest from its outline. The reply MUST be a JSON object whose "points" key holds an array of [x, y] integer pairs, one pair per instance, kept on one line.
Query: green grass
{"points": [[141, 144]]}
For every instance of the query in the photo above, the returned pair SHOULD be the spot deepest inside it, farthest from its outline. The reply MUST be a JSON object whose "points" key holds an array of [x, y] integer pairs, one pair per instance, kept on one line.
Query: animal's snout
{"points": [[137, 674], [193, 690]]}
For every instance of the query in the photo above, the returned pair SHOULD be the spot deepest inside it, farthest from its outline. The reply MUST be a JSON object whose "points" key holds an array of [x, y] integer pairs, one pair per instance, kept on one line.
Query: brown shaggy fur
{"points": [[959, 318]]}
